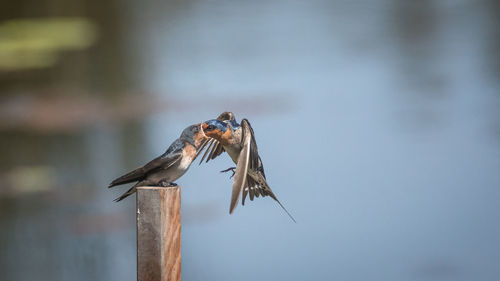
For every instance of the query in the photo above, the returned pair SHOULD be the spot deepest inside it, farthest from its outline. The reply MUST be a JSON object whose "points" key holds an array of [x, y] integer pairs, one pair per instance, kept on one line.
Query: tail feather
{"points": [[254, 189], [132, 176], [283, 207], [129, 192]]}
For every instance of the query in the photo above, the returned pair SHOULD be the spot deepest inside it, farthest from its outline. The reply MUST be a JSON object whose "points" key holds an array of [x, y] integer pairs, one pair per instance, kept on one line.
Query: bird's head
{"points": [[228, 118], [216, 129], [193, 134]]}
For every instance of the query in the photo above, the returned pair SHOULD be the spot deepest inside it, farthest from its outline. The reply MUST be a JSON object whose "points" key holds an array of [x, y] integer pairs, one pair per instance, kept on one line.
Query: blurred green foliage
{"points": [[36, 43]]}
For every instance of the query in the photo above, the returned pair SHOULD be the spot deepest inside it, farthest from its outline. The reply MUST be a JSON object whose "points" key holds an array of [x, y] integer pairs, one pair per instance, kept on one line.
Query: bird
{"points": [[238, 140], [168, 167], [215, 148]]}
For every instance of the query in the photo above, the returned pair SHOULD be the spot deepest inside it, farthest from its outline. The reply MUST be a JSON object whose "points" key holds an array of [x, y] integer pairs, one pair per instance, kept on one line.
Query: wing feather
{"points": [[210, 144], [240, 177], [167, 159], [202, 146], [255, 163], [216, 151], [260, 186], [245, 192]]}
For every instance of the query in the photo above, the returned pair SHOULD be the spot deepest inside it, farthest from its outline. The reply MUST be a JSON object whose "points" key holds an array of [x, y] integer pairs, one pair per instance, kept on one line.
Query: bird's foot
{"points": [[165, 183], [229, 169]]}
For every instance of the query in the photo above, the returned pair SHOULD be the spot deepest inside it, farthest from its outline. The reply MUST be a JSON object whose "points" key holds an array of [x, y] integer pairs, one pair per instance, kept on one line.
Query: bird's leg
{"points": [[165, 183], [229, 169]]}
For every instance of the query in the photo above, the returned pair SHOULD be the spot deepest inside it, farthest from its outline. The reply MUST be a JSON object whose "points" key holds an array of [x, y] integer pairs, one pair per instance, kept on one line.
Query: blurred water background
{"points": [[378, 123]]}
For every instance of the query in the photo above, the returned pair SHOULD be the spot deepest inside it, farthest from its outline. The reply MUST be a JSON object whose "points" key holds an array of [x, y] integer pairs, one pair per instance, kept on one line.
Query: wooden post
{"points": [[159, 233]]}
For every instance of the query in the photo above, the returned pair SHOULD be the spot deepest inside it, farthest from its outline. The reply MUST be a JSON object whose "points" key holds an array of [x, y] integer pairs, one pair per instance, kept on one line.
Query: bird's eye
{"points": [[210, 128]]}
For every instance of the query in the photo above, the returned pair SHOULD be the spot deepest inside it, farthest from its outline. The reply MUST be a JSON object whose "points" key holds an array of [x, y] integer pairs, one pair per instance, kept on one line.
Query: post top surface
{"points": [[157, 187]]}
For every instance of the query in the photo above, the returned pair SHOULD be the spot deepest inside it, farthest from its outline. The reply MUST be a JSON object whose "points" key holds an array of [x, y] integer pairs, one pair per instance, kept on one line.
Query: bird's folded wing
{"points": [[164, 161]]}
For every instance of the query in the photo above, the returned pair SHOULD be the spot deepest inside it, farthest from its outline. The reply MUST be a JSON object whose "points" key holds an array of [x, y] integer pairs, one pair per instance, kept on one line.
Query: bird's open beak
{"points": [[202, 131]]}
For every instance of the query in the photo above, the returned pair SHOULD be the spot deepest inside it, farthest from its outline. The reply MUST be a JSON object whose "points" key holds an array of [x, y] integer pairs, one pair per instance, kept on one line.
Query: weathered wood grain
{"points": [[158, 233]]}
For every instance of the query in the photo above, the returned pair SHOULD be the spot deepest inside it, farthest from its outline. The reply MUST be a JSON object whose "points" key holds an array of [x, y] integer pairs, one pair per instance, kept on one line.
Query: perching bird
{"points": [[168, 167], [238, 140]]}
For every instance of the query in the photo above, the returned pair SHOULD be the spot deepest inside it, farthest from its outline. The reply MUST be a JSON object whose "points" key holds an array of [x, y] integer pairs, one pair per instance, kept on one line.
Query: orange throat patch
{"points": [[226, 138], [223, 138]]}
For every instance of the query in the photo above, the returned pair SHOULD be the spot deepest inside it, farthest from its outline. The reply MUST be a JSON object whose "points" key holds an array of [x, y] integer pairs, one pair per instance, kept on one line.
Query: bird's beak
{"points": [[204, 126]]}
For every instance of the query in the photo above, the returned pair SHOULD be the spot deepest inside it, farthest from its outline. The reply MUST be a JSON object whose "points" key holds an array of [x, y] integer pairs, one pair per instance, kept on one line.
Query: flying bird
{"points": [[215, 148], [168, 167], [238, 140]]}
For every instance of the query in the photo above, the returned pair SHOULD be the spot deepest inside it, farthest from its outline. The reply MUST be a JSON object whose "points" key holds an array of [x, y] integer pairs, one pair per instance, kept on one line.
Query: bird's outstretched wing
{"points": [[252, 187], [167, 159], [240, 177], [214, 147], [255, 162], [256, 184]]}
